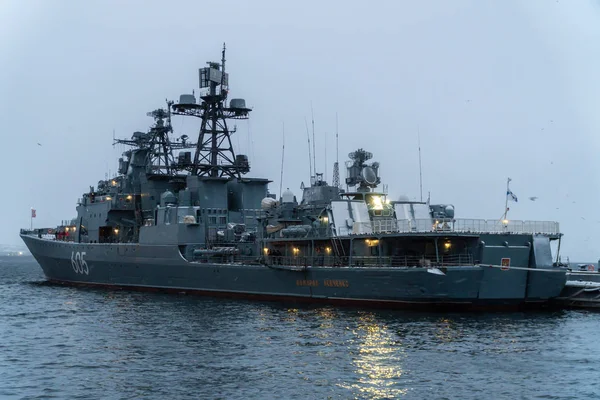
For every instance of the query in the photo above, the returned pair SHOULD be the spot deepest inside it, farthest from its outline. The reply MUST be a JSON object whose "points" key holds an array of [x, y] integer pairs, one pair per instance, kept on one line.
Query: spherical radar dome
{"points": [[287, 196]]}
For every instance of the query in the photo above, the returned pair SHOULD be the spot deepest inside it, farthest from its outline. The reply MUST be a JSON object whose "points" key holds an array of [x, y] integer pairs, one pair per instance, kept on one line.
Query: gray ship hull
{"points": [[154, 267]]}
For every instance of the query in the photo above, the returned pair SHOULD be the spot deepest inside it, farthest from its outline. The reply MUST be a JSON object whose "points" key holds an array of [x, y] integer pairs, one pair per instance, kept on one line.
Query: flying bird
{"points": [[39, 144], [533, 198]]}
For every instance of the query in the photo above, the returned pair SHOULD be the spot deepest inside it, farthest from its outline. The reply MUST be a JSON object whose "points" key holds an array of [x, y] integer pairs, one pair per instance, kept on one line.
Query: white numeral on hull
{"points": [[78, 263]]}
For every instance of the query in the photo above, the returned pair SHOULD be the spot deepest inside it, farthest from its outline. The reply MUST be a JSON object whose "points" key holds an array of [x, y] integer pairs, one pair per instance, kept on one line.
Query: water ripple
{"points": [[62, 342]]}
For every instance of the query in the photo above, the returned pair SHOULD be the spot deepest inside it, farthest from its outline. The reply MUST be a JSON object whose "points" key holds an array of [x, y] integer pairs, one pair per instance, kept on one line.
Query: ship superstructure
{"points": [[182, 215]]}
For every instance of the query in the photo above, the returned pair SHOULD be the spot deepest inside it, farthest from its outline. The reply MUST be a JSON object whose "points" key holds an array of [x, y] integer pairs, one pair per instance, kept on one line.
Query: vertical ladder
{"points": [[338, 247]]}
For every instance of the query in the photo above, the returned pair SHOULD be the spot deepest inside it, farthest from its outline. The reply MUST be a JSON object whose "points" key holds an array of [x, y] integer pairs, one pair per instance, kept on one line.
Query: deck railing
{"points": [[459, 226], [429, 261]]}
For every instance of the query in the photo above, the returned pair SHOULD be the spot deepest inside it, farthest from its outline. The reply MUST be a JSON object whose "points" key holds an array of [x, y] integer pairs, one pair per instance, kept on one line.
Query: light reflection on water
{"points": [[377, 359], [72, 343], [446, 330]]}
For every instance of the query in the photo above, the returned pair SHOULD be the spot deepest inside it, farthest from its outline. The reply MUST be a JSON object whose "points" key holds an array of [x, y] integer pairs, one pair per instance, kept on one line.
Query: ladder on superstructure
{"points": [[338, 246]]}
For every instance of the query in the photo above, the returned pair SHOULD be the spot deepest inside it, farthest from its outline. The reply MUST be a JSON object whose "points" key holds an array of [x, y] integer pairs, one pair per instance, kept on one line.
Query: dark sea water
{"points": [[69, 343]]}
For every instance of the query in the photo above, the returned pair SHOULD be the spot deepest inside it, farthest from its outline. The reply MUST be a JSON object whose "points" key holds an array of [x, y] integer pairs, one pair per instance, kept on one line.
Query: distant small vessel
{"points": [[194, 223], [586, 267]]}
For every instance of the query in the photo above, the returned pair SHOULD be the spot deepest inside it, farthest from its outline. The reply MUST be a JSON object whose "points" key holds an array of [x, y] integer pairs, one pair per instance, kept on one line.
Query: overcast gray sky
{"points": [[497, 89]]}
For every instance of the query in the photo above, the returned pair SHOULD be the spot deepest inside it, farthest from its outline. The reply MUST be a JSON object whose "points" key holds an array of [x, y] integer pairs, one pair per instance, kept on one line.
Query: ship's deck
{"points": [[459, 225], [433, 228]]}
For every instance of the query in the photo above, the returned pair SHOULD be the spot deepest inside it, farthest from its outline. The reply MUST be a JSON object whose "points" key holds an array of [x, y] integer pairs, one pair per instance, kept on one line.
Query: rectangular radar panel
{"points": [[208, 75]]}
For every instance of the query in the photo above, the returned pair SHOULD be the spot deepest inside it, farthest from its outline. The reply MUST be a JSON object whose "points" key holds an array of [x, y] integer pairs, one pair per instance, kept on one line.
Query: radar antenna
{"points": [[156, 142], [366, 176], [214, 156]]}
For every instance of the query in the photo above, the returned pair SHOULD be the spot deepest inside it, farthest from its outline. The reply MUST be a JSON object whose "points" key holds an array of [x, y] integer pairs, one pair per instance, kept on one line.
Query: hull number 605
{"points": [[78, 263]]}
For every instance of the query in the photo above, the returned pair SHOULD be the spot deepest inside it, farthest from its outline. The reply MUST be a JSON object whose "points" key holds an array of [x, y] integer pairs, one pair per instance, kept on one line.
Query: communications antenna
{"points": [[214, 155]]}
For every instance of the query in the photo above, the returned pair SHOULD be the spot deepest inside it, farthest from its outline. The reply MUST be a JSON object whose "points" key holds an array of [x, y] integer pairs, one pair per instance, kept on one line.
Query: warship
{"points": [[182, 215]]}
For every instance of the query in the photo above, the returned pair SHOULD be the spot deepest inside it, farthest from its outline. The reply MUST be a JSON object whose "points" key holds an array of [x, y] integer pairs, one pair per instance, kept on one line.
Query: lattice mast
{"points": [[156, 140], [214, 156]]}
